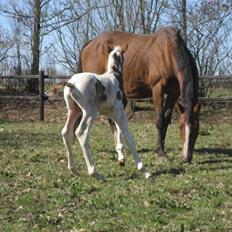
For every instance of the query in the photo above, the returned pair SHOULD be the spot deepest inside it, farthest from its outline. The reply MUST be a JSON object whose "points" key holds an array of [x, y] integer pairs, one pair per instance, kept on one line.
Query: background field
{"points": [[38, 193]]}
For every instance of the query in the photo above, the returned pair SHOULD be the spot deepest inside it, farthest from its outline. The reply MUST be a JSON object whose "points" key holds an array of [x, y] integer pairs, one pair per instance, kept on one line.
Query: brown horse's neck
{"points": [[187, 64]]}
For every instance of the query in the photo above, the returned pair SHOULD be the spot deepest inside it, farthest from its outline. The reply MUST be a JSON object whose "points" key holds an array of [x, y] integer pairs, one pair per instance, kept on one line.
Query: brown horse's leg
{"points": [[158, 98], [185, 135], [169, 105], [194, 127], [181, 121]]}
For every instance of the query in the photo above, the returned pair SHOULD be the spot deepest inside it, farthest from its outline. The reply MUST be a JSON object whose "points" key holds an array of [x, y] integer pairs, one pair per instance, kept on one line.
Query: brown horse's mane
{"points": [[185, 62]]}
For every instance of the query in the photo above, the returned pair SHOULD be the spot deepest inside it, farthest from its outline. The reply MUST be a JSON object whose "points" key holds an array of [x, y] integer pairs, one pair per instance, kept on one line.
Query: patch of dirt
{"points": [[24, 110], [55, 111]]}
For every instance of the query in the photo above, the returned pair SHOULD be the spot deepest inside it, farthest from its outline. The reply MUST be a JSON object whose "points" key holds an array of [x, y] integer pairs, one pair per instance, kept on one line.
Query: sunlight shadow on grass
{"points": [[170, 171]]}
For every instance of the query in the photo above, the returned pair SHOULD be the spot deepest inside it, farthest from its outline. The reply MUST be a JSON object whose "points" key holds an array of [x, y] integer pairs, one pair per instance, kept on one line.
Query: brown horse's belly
{"points": [[137, 91]]}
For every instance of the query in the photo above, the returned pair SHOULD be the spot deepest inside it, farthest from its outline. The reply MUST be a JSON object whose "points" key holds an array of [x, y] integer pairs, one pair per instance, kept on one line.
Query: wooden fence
{"points": [[42, 97]]}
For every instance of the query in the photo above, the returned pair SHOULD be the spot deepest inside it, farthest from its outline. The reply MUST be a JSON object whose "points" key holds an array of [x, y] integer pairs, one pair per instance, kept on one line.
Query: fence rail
{"points": [[42, 97]]}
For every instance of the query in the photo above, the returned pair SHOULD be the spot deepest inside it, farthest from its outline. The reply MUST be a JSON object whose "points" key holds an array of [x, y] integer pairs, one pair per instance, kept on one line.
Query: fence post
{"points": [[41, 96]]}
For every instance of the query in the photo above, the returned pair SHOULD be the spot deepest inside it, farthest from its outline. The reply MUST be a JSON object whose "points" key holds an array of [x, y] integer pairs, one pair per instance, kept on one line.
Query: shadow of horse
{"points": [[208, 164], [215, 151]]}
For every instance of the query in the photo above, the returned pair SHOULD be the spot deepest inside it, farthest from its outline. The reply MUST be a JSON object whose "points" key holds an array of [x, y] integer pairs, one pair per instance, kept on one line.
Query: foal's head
{"points": [[115, 60]]}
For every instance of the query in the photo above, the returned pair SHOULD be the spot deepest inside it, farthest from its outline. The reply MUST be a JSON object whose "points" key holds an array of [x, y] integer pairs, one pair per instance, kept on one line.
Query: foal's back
{"points": [[81, 91], [94, 93]]}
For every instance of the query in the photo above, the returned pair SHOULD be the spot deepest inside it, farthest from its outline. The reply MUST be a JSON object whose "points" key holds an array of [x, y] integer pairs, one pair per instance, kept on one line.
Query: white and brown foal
{"points": [[88, 95]]}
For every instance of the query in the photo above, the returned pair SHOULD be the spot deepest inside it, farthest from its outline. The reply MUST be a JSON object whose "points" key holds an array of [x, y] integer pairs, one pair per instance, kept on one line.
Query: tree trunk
{"points": [[184, 21], [33, 84]]}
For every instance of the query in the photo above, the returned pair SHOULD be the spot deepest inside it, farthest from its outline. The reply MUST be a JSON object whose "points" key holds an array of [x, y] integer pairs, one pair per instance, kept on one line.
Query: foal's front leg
{"points": [[120, 118], [119, 146], [117, 142]]}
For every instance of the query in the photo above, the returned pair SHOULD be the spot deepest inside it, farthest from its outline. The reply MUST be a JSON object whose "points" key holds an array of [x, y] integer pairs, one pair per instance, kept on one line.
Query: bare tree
{"points": [[184, 20], [131, 15], [72, 37], [62, 27], [210, 32], [6, 44], [45, 19]]}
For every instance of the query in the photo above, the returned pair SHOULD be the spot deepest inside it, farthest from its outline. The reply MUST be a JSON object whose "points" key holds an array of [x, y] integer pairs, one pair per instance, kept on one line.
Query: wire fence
{"points": [[212, 90]]}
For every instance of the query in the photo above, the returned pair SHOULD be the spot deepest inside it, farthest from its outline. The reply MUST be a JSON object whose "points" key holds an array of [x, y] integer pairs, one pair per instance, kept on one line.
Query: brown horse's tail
{"points": [[186, 64]]}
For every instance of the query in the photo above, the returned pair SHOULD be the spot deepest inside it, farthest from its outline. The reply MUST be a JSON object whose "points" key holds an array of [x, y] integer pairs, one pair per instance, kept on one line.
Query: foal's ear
{"points": [[124, 48]]}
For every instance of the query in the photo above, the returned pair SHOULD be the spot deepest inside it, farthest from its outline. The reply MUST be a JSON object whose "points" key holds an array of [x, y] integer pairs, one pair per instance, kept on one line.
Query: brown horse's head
{"points": [[194, 129]]}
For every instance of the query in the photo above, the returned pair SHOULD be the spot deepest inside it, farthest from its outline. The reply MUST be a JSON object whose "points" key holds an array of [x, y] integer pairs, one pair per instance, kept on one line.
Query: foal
{"points": [[87, 95]]}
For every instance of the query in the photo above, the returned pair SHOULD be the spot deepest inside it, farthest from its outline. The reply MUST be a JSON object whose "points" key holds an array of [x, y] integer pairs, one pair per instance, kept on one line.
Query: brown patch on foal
{"points": [[100, 89], [119, 97]]}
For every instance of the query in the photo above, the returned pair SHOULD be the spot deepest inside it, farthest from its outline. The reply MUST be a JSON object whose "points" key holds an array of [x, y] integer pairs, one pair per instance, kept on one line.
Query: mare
{"points": [[160, 66], [87, 95]]}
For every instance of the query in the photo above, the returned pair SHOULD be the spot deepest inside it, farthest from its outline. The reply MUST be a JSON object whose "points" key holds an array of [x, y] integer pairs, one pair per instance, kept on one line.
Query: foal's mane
{"points": [[115, 64]]}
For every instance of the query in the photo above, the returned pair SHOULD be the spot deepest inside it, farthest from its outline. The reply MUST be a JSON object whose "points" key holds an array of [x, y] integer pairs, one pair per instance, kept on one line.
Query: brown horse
{"points": [[158, 66]]}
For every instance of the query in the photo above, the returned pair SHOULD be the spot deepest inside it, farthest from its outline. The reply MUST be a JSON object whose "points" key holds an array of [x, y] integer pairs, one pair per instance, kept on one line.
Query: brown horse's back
{"points": [[147, 59]]}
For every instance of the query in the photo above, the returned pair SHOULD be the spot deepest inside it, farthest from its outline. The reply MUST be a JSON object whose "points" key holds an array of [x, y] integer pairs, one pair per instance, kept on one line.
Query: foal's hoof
{"points": [[147, 174], [98, 176], [122, 162], [143, 169]]}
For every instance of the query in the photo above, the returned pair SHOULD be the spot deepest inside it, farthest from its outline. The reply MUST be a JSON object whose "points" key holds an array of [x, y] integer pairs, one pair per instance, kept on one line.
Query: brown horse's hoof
{"points": [[122, 162], [187, 160], [163, 158], [160, 152]]}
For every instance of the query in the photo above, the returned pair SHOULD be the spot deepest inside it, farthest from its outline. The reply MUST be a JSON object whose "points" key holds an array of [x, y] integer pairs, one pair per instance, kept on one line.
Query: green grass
{"points": [[38, 193], [220, 92]]}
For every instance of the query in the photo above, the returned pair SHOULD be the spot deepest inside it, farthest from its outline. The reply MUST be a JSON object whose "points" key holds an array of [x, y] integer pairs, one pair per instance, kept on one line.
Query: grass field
{"points": [[38, 194]]}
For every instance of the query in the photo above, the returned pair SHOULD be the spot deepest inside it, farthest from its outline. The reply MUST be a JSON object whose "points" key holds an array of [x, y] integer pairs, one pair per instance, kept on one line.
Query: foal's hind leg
{"points": [[68, 135]]}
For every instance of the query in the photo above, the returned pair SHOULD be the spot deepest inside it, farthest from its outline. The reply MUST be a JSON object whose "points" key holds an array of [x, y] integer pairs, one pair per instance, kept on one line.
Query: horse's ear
{"points": [[124, 48], [110, 48]]}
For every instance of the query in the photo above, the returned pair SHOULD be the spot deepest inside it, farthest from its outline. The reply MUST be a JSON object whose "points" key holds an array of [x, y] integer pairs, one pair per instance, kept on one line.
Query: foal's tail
{"points": [[56, 89], [187, 66]]}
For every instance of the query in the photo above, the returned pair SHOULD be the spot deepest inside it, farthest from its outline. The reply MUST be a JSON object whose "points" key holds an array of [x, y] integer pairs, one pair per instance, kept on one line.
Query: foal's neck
{"points": [[116, 71]]}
